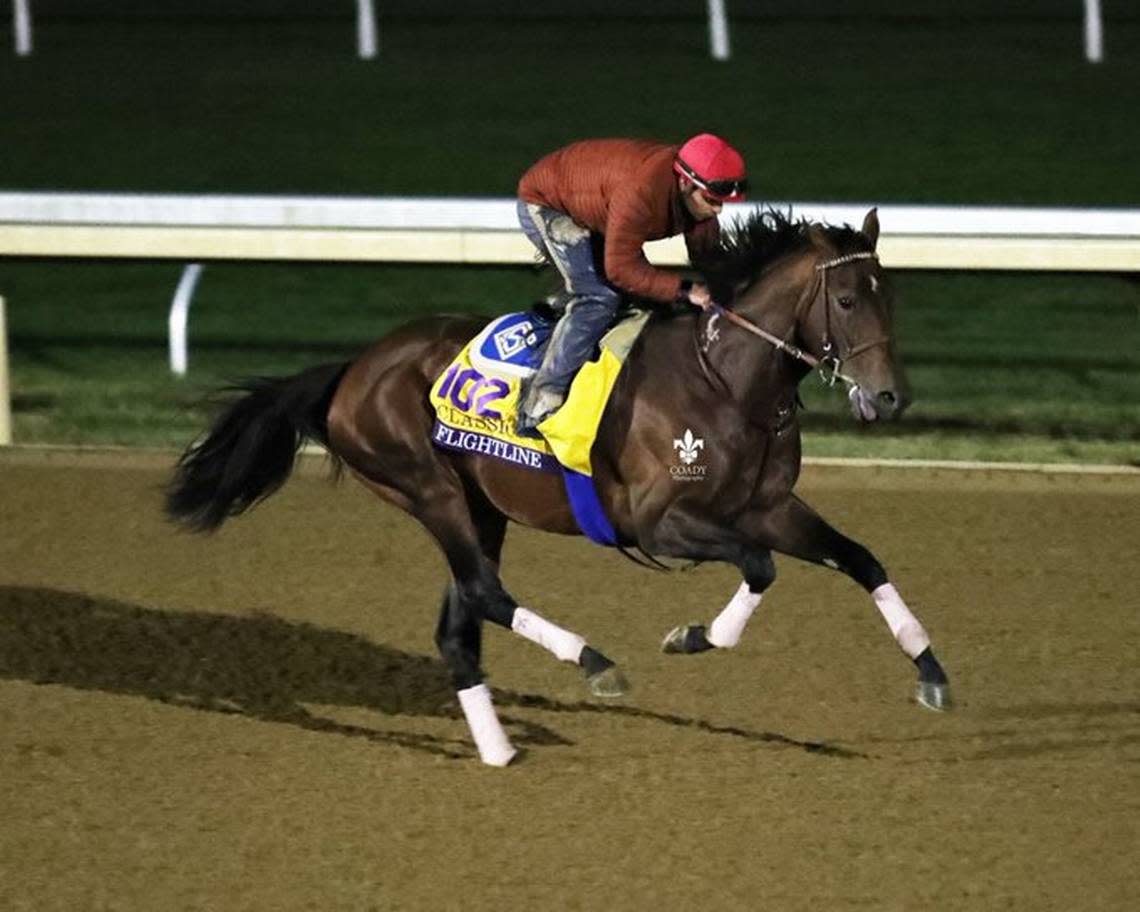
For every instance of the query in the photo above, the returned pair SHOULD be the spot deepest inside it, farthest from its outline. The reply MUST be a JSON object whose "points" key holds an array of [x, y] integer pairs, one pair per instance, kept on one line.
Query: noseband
{"points": [[829, 366]]}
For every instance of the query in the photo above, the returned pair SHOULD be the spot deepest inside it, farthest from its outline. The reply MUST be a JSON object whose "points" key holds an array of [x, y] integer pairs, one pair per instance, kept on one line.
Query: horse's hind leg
{"points": [[602, 675], [471, 541], [435, 498], [797, 530]]}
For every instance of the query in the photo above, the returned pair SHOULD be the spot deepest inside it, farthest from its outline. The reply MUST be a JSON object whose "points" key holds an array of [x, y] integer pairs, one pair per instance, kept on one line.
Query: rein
{"points": [[829, 365]]}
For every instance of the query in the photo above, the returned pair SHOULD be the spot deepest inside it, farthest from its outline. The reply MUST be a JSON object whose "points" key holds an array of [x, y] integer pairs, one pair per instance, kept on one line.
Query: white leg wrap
{"points": [[564, 644], [726, 630], [908, 632], [494, 748]]}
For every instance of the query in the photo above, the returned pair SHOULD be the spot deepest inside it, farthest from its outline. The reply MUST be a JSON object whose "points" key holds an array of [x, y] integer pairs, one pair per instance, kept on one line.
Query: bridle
{"points": [[830, 365]]}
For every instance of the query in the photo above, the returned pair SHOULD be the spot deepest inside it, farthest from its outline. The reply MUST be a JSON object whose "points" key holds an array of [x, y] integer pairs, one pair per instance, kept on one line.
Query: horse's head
{"points": [[818, 293], [846, 320]]}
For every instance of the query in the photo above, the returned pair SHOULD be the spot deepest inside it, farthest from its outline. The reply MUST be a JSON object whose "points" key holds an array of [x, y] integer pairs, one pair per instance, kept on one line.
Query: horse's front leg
{"points": [[727, 627], [795, 529], [685, 534]]}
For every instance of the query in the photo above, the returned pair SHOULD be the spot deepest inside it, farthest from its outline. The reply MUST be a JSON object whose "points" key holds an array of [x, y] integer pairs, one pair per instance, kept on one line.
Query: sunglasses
{"points": [[717, 190], [724, 188]]}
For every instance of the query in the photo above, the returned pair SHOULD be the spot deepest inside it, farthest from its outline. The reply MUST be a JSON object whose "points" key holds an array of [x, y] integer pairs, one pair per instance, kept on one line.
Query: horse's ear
{"points": [[871, 227]]}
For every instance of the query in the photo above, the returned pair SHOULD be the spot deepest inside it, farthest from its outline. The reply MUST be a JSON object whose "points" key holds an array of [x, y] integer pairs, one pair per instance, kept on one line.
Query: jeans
{"points": [[592, 302]]}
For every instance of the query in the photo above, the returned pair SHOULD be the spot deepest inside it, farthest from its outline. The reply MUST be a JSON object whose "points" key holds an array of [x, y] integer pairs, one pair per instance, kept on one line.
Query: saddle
{"points": [[476, 397], [513, 345]]}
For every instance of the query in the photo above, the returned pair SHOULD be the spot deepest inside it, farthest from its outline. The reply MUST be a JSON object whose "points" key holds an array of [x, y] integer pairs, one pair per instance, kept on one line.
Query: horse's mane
{"points": [[747, 245]]}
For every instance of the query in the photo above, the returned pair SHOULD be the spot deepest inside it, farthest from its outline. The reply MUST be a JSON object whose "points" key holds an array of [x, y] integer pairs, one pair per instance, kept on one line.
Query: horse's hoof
{"points": [[608, 683], [933, 695], [501, 756], [686, 640], [674, 641]]}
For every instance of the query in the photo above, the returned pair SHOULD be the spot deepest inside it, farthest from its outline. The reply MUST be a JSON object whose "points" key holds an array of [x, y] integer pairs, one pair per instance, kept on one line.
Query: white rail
{"points": [[179, 318], [193, 228], [718, 31], [366, 29], [480, 230], [22, 27], [367, 43], [1094, 32]]}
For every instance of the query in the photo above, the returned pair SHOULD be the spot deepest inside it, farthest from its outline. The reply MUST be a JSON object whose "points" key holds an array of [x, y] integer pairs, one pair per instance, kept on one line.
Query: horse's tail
{"points": [[251, 446]]}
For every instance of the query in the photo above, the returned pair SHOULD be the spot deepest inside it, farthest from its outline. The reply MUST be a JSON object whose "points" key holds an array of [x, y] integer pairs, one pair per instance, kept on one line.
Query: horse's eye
{"points": [[846, 302]]}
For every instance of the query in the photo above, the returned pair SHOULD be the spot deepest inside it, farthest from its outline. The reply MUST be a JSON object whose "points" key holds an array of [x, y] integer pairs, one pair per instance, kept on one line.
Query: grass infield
{"points": [[880, 108]]}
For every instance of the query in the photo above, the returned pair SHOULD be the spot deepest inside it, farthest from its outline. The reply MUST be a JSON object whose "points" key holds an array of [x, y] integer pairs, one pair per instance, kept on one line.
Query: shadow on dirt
{"points": [[267, 668]]}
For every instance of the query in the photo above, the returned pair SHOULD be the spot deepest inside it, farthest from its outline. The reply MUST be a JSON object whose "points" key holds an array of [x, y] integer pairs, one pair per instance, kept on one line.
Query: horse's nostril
{"points": [[886, 397]]}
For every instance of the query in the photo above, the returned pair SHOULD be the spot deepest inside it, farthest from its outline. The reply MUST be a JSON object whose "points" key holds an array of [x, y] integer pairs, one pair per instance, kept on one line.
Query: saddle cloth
{"points": [[476, 398]]}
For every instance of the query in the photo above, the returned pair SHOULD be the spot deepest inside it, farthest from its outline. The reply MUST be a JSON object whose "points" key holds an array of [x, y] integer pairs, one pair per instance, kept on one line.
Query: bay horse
{"points": [[719, 385]]}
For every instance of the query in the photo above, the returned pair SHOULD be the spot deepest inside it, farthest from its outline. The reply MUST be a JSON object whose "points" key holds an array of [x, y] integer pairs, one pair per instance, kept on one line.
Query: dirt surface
{"points": [[258, 720]]}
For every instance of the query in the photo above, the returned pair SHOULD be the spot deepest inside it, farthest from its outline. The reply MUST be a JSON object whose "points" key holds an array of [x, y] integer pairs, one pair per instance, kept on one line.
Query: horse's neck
{"points": [[756, 372], [705, 359]]}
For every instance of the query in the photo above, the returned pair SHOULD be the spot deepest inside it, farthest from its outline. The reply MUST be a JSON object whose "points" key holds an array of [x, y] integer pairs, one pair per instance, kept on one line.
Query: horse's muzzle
{"points": [[886, 405]]}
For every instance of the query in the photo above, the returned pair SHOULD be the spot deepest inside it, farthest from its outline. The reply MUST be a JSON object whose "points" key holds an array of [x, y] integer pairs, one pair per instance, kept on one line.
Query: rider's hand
{"points": [[699, 296]]}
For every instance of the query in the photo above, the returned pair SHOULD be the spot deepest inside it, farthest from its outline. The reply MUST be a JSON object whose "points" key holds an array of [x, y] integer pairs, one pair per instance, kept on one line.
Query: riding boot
{"points": [[571, 344], [536, 404], [545, 392]]}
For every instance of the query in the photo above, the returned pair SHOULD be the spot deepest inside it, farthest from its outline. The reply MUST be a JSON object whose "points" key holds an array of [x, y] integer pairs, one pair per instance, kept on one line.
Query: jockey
{"points": [[589, 208]]}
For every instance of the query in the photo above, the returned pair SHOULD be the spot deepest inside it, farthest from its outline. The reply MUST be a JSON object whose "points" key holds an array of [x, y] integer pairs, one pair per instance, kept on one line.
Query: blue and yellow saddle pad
{"points": [[476, 398]]}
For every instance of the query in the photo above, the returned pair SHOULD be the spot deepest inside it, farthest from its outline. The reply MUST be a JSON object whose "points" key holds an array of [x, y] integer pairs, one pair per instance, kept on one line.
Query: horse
{"points": [[792, 296]]}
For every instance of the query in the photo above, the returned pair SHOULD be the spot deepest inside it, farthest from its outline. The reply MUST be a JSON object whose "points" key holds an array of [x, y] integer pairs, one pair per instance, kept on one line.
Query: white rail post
{"points": [[180, 315], [718, 30], [1094, 32], [22, 27], [5, 397], [365, 29]]}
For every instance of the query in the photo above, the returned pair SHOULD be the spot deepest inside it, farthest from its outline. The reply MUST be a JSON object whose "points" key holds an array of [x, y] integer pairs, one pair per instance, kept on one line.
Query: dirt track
{"points": [[258, 720]]}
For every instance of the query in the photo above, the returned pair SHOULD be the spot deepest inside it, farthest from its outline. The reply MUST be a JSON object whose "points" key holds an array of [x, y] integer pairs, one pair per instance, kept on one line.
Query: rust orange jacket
{"points": [[625, 190]]}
